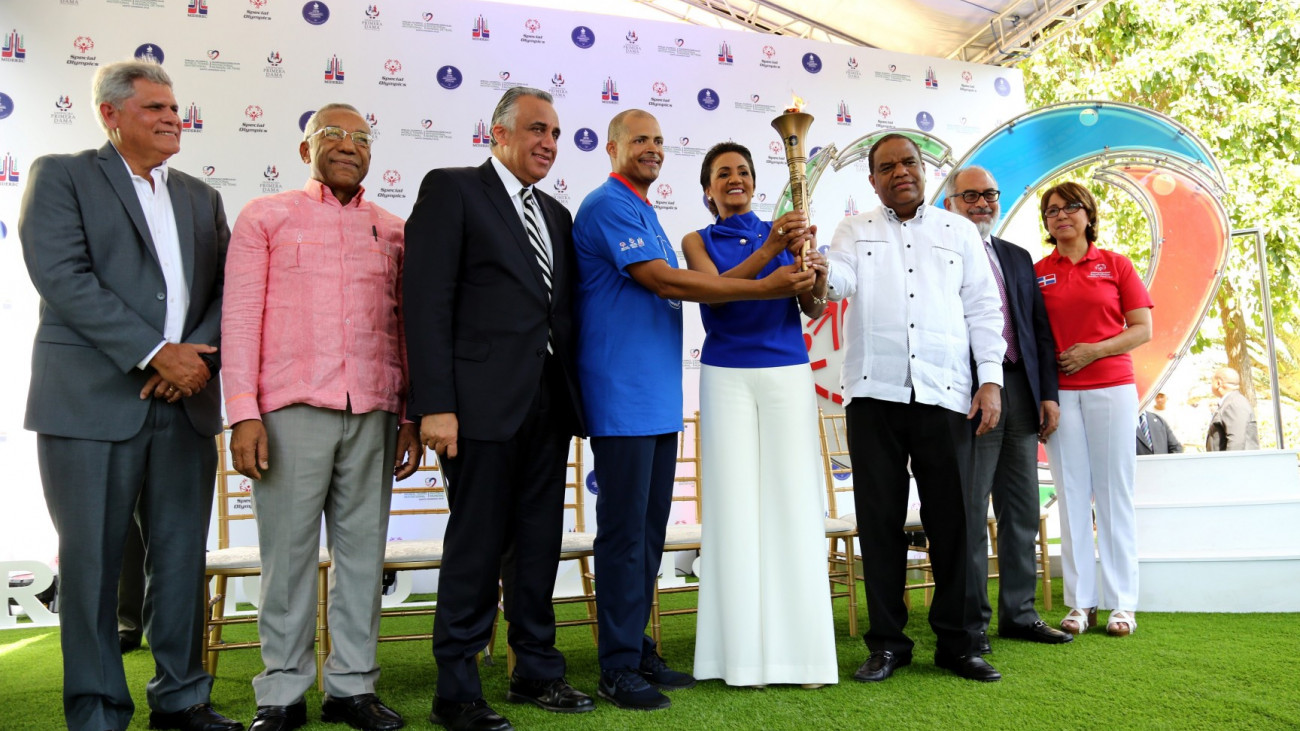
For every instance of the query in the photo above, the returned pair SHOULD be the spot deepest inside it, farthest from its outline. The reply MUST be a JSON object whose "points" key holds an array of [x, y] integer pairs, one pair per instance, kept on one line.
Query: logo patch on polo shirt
{"points": [[1100, 271], [1046, 279]]}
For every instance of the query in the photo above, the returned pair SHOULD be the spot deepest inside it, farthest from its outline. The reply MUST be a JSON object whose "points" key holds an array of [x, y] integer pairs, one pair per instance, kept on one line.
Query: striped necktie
{"points": [[532, 223], [1146, 429]]}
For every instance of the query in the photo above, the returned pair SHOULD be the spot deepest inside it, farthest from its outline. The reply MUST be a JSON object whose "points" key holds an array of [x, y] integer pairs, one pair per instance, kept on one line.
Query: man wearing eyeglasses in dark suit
{"points": [[1005, 460]]}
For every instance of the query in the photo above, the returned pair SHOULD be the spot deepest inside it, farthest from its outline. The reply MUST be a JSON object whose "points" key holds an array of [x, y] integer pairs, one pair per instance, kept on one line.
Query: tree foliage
{"points": [[1227, 70]]}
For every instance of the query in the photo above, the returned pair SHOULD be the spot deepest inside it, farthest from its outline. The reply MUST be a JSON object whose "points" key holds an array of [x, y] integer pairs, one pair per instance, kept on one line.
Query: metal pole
{"points": [[1268, 327]]}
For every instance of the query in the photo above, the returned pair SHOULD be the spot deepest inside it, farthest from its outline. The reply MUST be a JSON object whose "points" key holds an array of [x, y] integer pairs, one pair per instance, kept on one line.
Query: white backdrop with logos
{"points": [[427, 75]]}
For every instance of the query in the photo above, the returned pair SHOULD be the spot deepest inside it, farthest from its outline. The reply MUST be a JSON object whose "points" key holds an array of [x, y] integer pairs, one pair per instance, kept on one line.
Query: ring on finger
{"points": [[780, 231]]}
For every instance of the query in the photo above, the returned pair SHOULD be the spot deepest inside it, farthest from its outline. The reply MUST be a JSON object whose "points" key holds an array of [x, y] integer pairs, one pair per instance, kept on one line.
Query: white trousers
{"points": [[765, 608], [1093, 462]]}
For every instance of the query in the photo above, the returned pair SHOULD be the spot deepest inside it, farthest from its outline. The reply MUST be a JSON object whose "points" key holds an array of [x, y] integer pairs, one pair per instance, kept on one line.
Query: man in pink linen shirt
{"points": [[315, 381]]}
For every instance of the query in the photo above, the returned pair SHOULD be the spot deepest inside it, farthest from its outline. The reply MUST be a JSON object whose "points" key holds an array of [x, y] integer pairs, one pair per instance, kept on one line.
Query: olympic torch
{"points": [[793, 127]]}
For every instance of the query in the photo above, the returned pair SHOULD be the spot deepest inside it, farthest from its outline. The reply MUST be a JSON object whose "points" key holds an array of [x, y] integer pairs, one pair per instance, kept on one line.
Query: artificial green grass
{"points": [[1179, 671]]}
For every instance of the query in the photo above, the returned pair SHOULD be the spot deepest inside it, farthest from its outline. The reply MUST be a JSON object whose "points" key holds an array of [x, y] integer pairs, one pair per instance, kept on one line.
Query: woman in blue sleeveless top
{"points": [[764, 607]]}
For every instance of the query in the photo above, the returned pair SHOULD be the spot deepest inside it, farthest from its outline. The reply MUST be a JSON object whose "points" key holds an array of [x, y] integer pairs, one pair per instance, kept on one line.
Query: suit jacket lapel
{"points": [[120, 180], [1011, 280], [500, 198], [184, 214]]}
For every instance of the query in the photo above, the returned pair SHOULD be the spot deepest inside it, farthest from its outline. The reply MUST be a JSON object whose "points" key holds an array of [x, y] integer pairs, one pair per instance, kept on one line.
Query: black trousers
{"points": [[507, 518], [883, 436]]}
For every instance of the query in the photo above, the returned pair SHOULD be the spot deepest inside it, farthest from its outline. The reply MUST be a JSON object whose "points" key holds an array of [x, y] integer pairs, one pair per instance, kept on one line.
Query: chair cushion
{"points": [[245, 557], [573, 542], [836, 526], [412, 551], [682, 536]]}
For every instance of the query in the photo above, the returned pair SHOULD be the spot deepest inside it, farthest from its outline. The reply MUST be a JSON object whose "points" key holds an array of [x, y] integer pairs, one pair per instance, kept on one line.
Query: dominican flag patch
{"points": [[1046, 279]]}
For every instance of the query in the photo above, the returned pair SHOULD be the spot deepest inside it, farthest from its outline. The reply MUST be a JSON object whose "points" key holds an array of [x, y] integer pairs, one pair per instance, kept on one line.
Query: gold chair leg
{"points": [[655, 634], [489, 652], [589, 590], [322, 625], [1045, 562], [212, 634], [852, 585]]}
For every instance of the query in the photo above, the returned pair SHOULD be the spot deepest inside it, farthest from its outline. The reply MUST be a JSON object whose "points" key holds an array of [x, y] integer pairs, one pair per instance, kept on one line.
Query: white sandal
{"points": [[1121, 623], [1079, 621]]}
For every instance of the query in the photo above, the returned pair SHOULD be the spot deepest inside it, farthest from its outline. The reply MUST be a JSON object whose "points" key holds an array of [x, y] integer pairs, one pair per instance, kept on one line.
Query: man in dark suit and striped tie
{"points": [[490, 343]]}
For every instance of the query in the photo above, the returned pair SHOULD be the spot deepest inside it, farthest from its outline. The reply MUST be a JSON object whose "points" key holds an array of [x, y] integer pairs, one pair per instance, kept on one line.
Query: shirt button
{"points": [[347, 321], [161, 296], [541, 352]]}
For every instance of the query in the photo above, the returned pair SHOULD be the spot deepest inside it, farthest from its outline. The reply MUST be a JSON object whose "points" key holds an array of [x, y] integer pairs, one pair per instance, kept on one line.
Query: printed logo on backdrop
{"points": [[776, 154], [315, 12], [1002, 86], [480, 30], [692, 360], [393, 74], [373, 123], [501, 82], [137, 4], [82, 56], [924, 121], [585, 139], [891, 74], [851, 69], [482, 137], [708, 99], [62, 113], [590, 481], [192, 119], [583, 37], [630, 45], [931, 79], [6, 105], [425, 24], [664, 200], [426, 132], [660, 98], [8, 171], [272, 70], [724, 54], [961, 126], [967, 82], [767, 58], [271, 180], [304, 119], [253, 123], [883, 122], [755, 104], [533, 32], [449, 77], [842, 116], [211, 62], [560, 191], [392, 187], [371, 19], [683, 148], [256, 11], [761, 205], [211, 177], [609, 91], [149, 53], [679, 49], [197, 9], [812, 63], [334, 71], [850, 207], [557, 86]]}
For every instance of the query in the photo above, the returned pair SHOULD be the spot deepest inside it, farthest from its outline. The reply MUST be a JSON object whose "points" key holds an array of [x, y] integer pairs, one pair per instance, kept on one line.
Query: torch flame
{"points": [[796, 104]]}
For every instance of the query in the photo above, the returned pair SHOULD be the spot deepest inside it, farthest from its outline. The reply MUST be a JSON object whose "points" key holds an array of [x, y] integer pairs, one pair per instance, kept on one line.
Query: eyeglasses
{"points": [[990, 195], [336, 134], [1054, 211]]}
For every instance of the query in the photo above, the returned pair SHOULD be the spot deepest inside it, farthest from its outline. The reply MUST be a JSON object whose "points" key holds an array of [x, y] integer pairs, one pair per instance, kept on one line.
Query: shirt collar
{"points": [[512, 184], [628, 183], [161, 168], [1092, 253], [918, 216], [320, 192]]}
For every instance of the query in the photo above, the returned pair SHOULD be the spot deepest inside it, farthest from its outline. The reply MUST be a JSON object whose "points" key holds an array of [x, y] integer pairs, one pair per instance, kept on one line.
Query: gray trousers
{"points": [[165, 474], [1006, 464], [339, 464]]}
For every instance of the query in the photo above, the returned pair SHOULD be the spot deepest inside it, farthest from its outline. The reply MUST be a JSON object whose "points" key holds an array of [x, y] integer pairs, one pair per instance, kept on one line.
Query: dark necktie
{"points": [[1146, 429], [532, 220]]}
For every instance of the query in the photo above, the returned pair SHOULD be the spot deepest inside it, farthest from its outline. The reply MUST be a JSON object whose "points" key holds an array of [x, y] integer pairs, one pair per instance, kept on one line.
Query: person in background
{"points": [[1006, 458], [1232, 427], [759, 454], [1154, 436], [1099, 311], [315, 383], [127, 255]]}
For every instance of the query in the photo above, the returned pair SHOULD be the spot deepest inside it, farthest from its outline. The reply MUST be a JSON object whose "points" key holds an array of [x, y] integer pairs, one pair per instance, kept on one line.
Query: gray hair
{"points": [[314, 123], [507, 108], [950, 183], [115, 83]]}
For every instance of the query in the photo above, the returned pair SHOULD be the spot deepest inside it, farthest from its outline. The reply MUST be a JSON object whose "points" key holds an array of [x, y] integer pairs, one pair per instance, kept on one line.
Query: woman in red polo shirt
{"points": [[1099, 311]]}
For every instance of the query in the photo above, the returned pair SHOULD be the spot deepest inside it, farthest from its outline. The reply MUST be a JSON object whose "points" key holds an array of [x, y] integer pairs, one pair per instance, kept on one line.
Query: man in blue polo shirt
{"points": [[629, 364]]}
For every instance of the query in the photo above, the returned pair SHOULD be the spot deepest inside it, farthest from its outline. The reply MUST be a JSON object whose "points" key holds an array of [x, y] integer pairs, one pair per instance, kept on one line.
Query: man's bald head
{"points": [[618, 125], [1225, 379]]}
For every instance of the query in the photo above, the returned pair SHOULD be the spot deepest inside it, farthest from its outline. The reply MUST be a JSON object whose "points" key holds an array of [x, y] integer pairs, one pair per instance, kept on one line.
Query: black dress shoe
{"points": [[552, 695], [984, 647], [476, 715], [880, 665], [198, 717], [128, 643], [280, 718], [362, 711], [1037, 632], [970, 667]]}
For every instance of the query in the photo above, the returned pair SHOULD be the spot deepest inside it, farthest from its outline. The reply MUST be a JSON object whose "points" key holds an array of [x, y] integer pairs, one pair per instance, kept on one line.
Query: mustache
{"points": [[987, 211]]}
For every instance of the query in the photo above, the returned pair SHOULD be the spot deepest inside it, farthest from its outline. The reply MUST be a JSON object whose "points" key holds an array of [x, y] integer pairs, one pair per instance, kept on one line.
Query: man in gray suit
{"points": [[1233, 427], [127, 256], [1154, 435]]}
